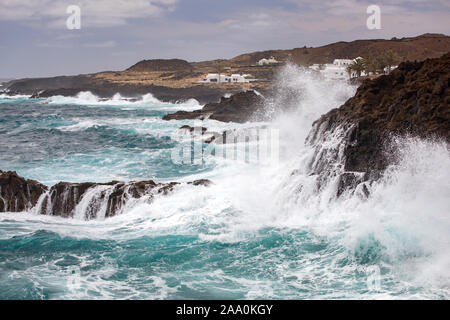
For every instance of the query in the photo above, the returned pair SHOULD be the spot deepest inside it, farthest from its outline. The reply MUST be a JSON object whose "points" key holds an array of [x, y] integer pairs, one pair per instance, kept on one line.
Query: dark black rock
{"points": [[240, 107], [18, 194], [413, 100]]}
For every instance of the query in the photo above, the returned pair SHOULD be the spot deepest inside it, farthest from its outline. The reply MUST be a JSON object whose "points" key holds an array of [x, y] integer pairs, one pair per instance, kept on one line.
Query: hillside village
{"points": [[340, 69]]}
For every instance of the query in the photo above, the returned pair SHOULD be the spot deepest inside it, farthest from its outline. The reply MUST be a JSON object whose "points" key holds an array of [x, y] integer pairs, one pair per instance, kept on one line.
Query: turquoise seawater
{"points": [[244, 237]]}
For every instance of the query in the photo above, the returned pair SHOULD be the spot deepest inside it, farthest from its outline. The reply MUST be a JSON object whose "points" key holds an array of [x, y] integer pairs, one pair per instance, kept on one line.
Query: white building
{"points": [[222, 78], [336, 70], [344, 62], [264, 62], [386, 70]]}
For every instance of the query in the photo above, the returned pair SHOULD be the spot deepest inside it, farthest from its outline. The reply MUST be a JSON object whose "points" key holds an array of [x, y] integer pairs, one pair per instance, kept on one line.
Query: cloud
{"points": [[59, 45], [342, 19], [261, 28], [192, 29], [104, 44], [98, 13]]}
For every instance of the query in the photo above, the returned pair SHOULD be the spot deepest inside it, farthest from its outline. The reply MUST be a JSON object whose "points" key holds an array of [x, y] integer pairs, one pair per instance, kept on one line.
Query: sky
{"points": [[115, 34]]}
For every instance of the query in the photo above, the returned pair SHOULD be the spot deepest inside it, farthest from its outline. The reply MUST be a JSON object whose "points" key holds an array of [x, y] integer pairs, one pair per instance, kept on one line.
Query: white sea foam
{"points": [[147, 100], [13, 97]]}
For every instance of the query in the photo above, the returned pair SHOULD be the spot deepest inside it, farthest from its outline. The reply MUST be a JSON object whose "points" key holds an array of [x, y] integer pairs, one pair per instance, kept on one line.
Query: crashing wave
{"points": [[88, 98]]}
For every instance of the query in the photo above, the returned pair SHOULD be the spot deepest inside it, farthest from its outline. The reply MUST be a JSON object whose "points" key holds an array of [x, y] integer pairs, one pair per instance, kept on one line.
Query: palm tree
{"points": [[380, 64], [357, 66], [391, 59], [369, 65], [219, 65]]}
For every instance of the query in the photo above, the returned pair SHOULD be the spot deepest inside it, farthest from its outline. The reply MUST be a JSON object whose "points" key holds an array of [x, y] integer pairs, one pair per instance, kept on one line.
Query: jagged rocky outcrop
{"points": [[240, 107], [18, 194], [87, 200], [413, 100]]}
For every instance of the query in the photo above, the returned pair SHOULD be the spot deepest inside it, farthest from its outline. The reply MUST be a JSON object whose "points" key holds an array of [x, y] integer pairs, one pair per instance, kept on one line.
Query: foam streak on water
{"points": [[260, 231]]}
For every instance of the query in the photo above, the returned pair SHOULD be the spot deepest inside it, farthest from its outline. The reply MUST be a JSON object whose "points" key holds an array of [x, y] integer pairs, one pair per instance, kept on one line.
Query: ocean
{"points": [[260, 231]]}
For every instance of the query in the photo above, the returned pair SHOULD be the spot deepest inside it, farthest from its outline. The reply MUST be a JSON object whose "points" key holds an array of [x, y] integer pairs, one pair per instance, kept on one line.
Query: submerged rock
{"points": [[413, 100], [192, 129], [240, 107], [88, 200], [201, 182], [225, 137], [236, 135]]}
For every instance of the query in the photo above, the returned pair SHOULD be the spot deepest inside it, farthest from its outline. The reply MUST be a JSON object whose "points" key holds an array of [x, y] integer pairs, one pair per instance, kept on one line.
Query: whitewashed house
{"points": [[214, 77], [344, 62], [336, 70], [222, 78], [264, 62]]}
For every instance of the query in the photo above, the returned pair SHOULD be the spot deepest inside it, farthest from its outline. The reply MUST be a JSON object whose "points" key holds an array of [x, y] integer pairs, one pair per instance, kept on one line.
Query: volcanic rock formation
{"points": [[413, 100], [240, 107], [65, 199]]}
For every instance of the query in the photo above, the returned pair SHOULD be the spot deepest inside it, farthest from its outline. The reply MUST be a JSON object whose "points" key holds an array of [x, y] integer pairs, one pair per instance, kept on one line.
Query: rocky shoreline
{"points": [[18, 194], [65, 86]]}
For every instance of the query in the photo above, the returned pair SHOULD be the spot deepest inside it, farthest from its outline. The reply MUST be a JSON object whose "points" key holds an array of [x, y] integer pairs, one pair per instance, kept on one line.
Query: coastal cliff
{"points": [[412, 101]]}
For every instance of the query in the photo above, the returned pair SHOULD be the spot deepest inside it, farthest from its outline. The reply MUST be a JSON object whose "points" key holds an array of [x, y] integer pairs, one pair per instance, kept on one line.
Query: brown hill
{"points": [[415, 48], [161, 65]]}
